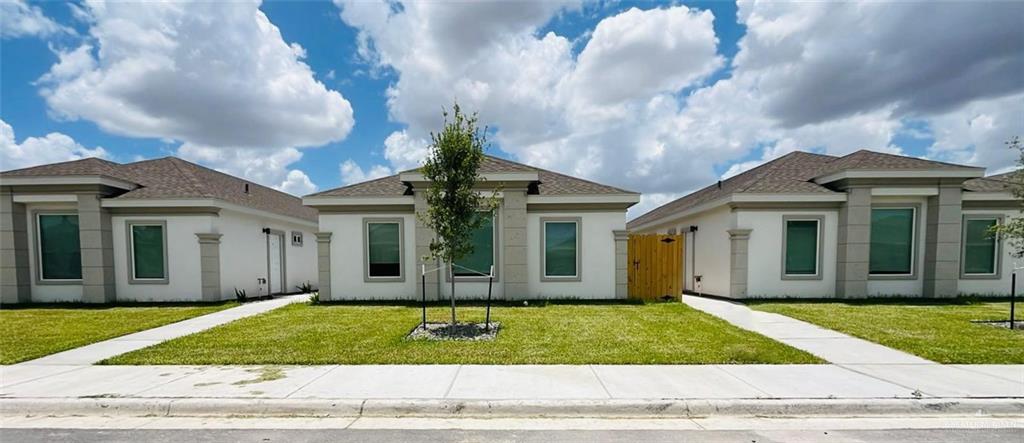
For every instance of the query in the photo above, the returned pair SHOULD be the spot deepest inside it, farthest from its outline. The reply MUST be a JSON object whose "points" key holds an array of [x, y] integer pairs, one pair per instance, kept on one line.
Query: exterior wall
{"points": [[597, 252], [711, 258], [995, 286], [243, 253], [348, 262], [47, 293], [904, 287], [184, 281], [764, 275]]}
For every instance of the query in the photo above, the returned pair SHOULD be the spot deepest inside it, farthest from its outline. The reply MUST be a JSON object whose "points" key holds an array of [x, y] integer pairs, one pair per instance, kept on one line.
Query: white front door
{"points": [[275, 267]]}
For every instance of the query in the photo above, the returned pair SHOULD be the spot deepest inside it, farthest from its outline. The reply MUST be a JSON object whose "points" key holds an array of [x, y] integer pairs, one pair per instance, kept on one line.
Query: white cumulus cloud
{"points": [[32, 151], [269, 167], [19, 19]]}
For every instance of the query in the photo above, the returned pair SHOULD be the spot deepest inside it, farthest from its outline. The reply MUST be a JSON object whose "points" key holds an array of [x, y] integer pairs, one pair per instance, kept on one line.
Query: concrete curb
{"points": [[171, 407]]}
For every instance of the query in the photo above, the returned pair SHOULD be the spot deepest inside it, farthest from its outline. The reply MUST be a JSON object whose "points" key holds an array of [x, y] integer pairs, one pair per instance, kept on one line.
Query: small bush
{"points": [[305, 288], [240, 295], [314, 298]]}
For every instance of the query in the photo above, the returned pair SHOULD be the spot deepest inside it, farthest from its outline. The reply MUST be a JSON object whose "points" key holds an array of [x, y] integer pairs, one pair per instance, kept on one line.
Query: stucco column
{"points": [[209, 266], [423, 237], [854, 243], [621, 259], [14, 268], [942, 243], [513, 229], [323, 265], [97, 245], [738, 249]]}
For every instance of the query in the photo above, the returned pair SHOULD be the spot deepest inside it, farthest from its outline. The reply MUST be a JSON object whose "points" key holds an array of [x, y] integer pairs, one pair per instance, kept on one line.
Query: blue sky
{"points": [[307, 96]]}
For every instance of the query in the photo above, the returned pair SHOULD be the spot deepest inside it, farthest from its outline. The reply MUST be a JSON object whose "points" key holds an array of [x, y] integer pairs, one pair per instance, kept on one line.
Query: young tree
{"points": [[1013, 229], [453, 205]]}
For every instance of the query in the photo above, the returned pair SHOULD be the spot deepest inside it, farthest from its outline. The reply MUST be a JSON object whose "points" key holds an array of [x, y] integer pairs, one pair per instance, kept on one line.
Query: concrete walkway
{"points": [[89, 354], [525, 382], [831, 346]]}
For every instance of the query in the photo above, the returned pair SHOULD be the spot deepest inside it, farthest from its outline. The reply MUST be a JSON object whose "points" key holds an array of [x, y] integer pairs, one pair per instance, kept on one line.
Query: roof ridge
{"points": [[77, 160], [770, 165], [192, 180]]}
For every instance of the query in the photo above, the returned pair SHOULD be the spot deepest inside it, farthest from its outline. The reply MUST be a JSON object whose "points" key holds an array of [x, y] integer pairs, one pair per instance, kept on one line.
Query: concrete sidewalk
{"points": [[89, 354]]}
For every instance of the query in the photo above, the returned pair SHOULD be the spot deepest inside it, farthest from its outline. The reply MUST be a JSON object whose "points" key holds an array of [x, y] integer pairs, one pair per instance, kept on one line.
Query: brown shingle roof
{"points": [[792, 174], [551, 183], [995, 183], [174, 178]]}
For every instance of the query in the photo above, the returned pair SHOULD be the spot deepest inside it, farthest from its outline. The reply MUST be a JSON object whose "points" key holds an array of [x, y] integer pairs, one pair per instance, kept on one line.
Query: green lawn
{"points": [[36, 330], [625, 333], [937, 330]]}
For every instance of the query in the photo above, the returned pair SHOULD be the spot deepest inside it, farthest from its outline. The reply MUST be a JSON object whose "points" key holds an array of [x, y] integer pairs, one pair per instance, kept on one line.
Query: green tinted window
{"points": [[60, 254], [560, 249], [384, 249], [148, 251], [479, 261], [801, 247], [979, 247], [892, 240]]}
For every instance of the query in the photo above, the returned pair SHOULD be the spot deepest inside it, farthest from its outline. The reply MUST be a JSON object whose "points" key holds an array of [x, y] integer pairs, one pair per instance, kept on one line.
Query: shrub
{"points": [[240, 295]]}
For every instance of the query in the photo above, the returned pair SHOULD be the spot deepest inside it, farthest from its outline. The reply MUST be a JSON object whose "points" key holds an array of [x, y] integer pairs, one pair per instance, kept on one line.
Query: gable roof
{"points": [[792, 173], [173, 178], [549, 182]]}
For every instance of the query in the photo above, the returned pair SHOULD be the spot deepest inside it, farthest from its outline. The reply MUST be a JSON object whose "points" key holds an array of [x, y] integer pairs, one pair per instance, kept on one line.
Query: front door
{"points": [[275, 263]]}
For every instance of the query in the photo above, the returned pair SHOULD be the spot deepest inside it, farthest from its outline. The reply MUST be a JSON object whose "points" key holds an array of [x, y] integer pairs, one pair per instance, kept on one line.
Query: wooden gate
{"points": [[655, 264]]}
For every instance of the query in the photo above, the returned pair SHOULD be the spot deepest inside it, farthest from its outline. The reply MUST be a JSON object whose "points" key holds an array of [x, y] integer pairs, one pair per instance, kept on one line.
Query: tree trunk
{"points": [[451, 275]]}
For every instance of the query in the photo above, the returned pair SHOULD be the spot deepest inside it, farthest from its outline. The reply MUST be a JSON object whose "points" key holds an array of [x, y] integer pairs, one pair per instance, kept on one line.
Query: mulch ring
{"points": [[460, 332], [1017, 325]]}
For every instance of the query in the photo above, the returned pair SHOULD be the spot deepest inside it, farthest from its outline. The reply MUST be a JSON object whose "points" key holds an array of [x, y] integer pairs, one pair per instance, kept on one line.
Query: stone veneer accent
{"points": [[738, 247], [621, 263], [15, 286], [209, 266], [323, 265], [424, 235], [513, 229], [97, 244], [942, 243], [854, 241]]}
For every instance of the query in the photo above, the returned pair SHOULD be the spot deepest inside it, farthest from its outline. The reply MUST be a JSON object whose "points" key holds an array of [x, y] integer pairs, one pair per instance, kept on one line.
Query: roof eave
{"points": [[37, 180], [817, 197], [964, 173]]}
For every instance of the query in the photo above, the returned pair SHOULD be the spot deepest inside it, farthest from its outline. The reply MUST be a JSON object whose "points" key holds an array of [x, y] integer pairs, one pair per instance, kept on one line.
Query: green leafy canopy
{"points": [[453, 203]]}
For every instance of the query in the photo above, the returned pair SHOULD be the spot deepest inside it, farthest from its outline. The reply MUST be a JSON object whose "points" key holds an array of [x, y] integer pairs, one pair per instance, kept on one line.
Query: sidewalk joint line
{"points": [[600, 382], [448, 391], [843, 366], [336, 367], [729, 373]]}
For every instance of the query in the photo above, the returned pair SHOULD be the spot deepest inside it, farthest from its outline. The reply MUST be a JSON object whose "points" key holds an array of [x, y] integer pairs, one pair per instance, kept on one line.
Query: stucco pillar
{"points": [[738, 249], [621, 259], [942, 243], [854, 243], [209, 266], [97, 245], [14, 268], [423, 237], [513, 229], [323, 265]]}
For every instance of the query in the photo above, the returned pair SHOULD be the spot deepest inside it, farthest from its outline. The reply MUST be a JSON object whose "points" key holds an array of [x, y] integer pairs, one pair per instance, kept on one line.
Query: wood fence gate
{"points": [[655, 264]]}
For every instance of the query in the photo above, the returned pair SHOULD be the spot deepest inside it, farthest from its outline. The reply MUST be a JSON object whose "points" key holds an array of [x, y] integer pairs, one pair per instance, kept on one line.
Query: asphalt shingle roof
{"points": [[792, 174], [551, 183], [995, 183], [174, 178]]}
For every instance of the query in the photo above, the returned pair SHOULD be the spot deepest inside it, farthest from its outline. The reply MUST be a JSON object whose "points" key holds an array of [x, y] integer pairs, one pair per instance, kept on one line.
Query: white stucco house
{"points": [[159, 230], [865, 224], [553, 236]]}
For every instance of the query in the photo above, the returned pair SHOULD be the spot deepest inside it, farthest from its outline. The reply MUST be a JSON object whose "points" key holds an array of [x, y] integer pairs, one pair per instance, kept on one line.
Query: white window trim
{"points": [[367, 278], [578, 221], [915, 209], [819, 240], [132, 278], [40, 275], [998, 250]]}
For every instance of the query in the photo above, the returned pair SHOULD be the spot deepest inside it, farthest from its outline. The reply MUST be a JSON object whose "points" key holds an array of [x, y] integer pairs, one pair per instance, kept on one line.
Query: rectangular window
{"points": [[482, 258], [801, 247], [892, 241], [149, 251], [561, 249], [384, 249], [980, 246], [60, 253]]}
